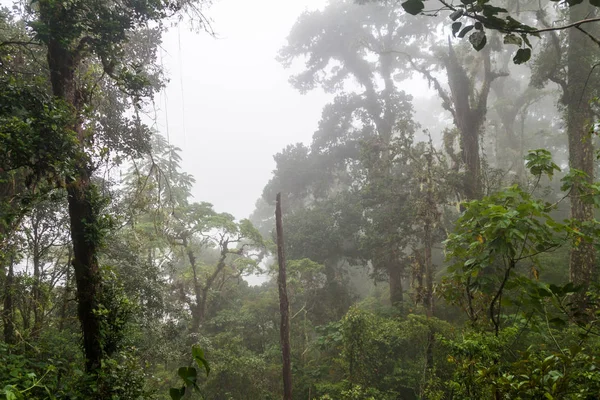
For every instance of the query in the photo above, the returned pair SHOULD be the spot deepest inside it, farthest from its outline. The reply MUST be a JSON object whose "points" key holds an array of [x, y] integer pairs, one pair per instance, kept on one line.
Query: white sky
{"points": [[229, 104]]}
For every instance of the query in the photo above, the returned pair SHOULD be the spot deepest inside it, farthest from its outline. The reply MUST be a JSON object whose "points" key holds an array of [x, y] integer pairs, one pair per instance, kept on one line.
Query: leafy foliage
{"points": [[479, 302]]}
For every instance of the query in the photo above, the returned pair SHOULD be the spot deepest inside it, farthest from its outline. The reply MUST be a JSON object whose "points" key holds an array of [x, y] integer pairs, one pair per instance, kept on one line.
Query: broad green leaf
{"points": [[413, 6], [511, 38], [478, 40], [12, 393], [523, 55], [188, 374], [456, 27], [490, 11], [198, 355], [465, 30], [540, 162], [177, 394], [456, 14]]}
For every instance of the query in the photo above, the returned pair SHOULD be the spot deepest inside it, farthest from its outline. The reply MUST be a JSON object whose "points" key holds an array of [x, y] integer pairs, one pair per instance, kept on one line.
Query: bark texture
{"points": [[8, 317], [63, 61], [581, 151], [284, 307]]}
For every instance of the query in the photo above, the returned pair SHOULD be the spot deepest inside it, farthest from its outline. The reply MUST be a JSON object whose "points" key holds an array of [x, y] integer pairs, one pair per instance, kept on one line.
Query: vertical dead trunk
{"points": [[581, 150], [428, 297], [284, 307], [430, 218], [8, 317]]}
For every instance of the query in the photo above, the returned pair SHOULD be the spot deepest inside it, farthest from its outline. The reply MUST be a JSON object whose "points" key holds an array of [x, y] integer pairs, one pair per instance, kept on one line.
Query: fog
{"points": [[435, 165], [229, 105]]}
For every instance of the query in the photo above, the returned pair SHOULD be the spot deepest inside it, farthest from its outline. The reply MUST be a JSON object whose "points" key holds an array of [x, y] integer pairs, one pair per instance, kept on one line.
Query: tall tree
{"points": [[568, 61], [44, 231], [79, 36], [8, 313], [284, 306], [582, 56], [198, 228], [344, 43]]}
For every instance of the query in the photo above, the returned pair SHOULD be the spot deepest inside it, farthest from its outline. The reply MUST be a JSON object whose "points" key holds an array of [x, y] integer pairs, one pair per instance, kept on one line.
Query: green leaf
{"points": [[478, 40], [177, 394], [540, 162], [511, 38], [456, 27], [456, 14], [198, 355], [413, 7], [490, 11], [188, 374], [11, 393], [465, 30], [522, 56], [470, 261]]}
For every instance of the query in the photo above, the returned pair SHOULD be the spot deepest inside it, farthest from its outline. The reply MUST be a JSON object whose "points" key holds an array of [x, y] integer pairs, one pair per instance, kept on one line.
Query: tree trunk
{"points": [[581, 150], [467, 123], [284, 307], [468, 107], [470, 155], [38, 310], [201, 291], [8, 318], [82, 198], [431, 217], [428, 298], [197, 308], [84, 225]]}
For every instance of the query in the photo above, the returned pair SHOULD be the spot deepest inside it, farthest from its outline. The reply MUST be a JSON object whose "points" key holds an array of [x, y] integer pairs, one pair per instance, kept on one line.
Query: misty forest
{"points": [[430, 234]]}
